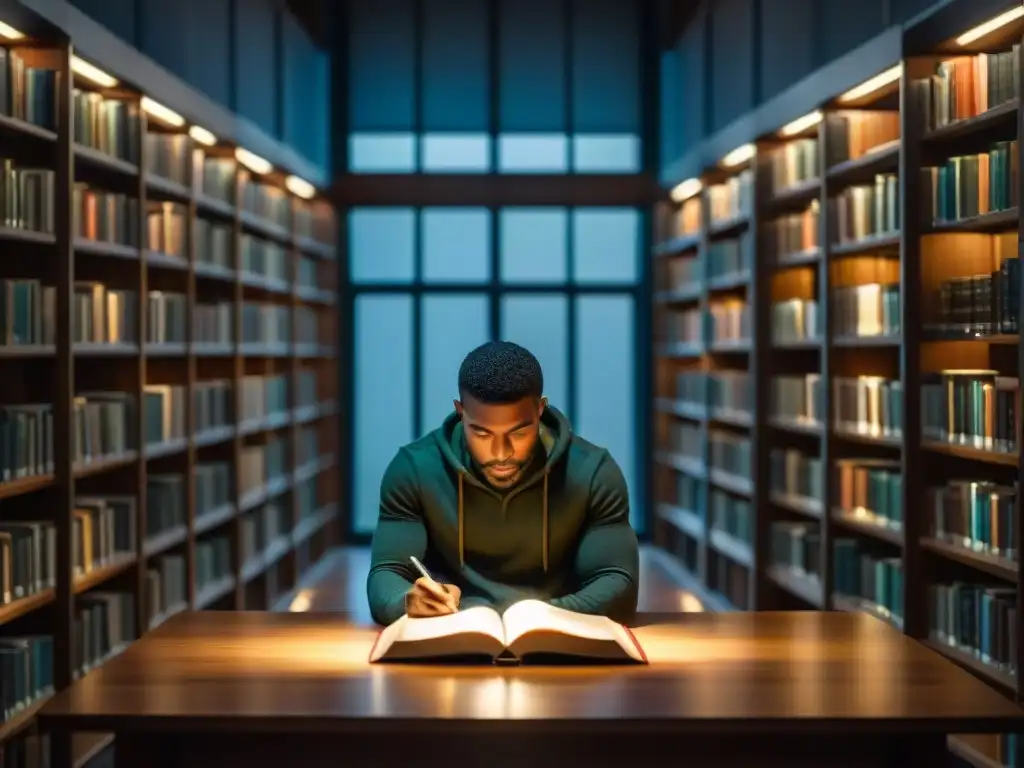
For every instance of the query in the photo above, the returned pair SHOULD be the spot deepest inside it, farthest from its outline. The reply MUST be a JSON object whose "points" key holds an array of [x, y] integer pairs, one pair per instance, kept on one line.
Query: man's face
{"points": [[501, 438]]}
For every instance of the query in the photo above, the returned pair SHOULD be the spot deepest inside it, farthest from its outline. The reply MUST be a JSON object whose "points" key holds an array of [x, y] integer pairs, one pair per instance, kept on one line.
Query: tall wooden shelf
{"points": [[274, 517], [863, 484]]}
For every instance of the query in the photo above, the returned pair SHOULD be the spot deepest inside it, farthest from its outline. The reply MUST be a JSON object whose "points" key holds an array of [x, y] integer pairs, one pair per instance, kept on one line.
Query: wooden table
{"points": [[219, 690]]}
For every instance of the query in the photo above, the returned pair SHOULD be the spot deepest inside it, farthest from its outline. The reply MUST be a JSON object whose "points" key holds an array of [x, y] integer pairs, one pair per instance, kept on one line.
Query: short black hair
{"points": [[500, 372]]}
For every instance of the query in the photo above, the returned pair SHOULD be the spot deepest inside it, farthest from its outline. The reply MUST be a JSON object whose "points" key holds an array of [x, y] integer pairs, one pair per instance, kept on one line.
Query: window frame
{"points": [[496, 190]]}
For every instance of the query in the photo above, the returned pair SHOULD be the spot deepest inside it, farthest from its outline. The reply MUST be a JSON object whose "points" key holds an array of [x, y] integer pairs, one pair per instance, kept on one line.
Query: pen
{"points": [[426, 575]]}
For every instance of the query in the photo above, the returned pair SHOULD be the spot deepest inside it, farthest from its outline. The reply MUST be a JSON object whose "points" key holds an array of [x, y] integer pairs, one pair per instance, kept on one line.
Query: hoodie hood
{"points": [[555, 438]]}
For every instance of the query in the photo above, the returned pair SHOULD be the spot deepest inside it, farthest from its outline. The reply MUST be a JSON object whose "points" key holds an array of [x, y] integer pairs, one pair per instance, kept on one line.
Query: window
{"points": [[383, 396], [533, 153], [451, 327], [533, 245], [606, 245], [456, 245], [541, 324], [605, 154], [605, 397], [381, 153], [381, 245], [456, 153]]}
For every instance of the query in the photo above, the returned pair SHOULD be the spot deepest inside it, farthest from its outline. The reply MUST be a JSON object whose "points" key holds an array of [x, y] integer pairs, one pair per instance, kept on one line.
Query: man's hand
{"points": [[428, 598]]}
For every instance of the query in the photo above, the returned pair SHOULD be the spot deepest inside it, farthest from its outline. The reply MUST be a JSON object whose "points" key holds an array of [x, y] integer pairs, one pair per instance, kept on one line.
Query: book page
{"points": [[481, 620], [534, 615], [406, 630]]}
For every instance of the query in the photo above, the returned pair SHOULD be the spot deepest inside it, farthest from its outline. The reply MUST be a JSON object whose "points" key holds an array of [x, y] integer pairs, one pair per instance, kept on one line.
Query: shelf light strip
{"points": [[253, 162], [801, 124], [9, 33], [300, 187], [876, 83], [202, 136], [686, 189], [164, 114], [990, 26], [92, 73], [739, 155]]}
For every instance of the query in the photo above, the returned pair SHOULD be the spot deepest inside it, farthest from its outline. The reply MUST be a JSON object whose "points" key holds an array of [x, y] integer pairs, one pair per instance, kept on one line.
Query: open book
{"points": [[529, 628]]}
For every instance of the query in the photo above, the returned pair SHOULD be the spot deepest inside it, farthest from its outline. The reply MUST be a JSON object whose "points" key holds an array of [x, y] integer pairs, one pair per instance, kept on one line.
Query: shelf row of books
{"points": [[109, 316], [104, 424], [112, 127]]}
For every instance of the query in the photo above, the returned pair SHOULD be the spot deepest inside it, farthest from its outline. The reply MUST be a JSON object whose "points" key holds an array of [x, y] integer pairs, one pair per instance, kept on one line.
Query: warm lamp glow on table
{"points": [[232, 689]]}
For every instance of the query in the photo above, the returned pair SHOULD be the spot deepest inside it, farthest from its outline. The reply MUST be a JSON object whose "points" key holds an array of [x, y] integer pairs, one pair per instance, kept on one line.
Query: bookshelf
{"points": [[704, 353], [885, 462], [167, 421]]}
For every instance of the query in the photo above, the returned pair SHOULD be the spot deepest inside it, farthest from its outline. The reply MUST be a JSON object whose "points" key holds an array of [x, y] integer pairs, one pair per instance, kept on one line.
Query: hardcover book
{"points": [[530, 630]]}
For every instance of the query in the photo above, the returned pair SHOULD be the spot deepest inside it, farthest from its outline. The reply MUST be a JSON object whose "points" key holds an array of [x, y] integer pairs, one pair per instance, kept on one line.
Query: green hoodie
{"points": [[561, 535]]}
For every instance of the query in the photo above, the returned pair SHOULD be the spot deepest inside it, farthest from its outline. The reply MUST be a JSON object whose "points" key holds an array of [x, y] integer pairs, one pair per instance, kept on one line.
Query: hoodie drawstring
{"points": [[544, 523], [462, 530], [544, 513]]}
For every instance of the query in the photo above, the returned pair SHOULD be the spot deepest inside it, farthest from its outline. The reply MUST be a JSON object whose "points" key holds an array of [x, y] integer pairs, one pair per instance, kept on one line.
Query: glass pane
{"points": [[382, 153], [531, 65], [456, 245], [605, 66], [451, 326], [605, 245], [456, 153], [606, 154], [533, 244], [382, 245], [537, 153], [541, 324], [383, 396], [455, 67], [381, 65], [604, 375]]}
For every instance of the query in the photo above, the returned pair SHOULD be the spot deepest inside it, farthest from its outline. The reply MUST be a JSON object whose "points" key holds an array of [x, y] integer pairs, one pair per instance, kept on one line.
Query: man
{"points": [[503, 503]]}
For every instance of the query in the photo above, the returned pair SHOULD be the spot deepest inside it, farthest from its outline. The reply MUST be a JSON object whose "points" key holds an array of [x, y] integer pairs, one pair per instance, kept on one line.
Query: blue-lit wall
{"points": [[501, 87], [469, 86], [248, 55]]}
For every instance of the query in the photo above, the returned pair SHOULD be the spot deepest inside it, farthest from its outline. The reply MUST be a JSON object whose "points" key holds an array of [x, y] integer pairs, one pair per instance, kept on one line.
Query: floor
{"points": [[338, 583]]}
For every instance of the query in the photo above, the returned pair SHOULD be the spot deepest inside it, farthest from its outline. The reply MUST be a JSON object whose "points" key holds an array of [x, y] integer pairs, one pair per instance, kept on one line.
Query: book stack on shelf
{"points": [[884, 422], [174, 430]]}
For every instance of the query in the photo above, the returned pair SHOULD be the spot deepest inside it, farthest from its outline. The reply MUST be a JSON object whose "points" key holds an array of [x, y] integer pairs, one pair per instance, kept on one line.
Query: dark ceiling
{"points": [[674, 16], [311, 14]]}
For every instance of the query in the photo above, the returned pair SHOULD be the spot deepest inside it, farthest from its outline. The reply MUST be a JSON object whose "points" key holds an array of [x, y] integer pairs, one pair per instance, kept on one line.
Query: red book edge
{"points": [[377, 640], [636, 642]]}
